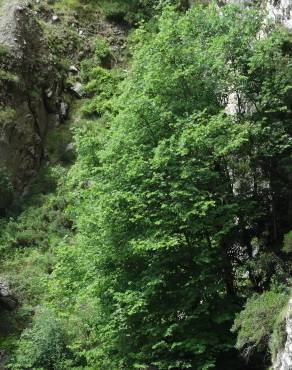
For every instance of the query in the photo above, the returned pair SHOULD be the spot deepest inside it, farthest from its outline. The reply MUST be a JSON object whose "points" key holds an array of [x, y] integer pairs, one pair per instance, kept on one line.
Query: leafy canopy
{"points": [[163, 197]]}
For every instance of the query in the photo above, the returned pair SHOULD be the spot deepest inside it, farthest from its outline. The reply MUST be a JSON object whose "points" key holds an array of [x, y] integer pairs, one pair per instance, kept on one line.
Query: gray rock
{"points": [[49, 93], [4, 287], [70, 147], [7, 302], [77, 90], [24, 119], [280, 10], [64, 108], [73, 69]]}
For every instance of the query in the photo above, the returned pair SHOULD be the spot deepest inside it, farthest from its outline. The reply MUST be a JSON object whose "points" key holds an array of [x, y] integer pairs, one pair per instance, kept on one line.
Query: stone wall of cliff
{"points": [[29, 95]]}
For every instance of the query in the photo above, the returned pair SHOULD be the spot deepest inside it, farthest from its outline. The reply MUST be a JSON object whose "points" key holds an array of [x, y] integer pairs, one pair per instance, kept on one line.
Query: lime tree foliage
{"points": [[176, 215], [43, 345], [180, 208]]}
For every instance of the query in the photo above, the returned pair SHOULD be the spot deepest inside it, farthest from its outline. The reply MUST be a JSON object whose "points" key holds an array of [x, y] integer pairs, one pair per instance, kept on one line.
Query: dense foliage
{"points": [[178, 208], [43, 345], [169, 179], [256, 323]]}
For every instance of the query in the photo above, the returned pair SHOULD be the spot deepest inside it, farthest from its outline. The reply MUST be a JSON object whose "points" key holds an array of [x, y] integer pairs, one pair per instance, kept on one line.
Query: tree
{"points": [[175, 192], [42, 346]]}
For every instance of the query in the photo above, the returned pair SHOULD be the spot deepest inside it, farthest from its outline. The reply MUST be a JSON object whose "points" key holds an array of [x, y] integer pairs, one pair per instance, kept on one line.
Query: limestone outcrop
{"points": [[283, 360], [277, 10], [281, 11], [29, 93]]}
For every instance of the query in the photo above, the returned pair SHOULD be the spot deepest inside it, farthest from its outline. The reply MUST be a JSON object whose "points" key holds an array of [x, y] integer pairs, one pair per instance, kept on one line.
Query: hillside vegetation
{"points": [[157, 233]]}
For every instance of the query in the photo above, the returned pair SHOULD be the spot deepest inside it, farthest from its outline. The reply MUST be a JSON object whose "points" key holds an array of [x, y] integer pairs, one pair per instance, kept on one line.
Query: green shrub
{"points": [[101, 50], [4, 51], [265, 267], [70, 4], [287, 247], [101, 57], [132, 12], [45, 183], [116, 10], [28, 274], [61, 40], [8, 76], [258, 323], [57, 142], [279, 333], [42, 346], [7, 116], [84, 7], [100, 89]]}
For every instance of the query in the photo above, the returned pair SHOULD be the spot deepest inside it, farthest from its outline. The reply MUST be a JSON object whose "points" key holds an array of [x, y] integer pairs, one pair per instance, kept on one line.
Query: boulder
{"points": [[77, 90]]}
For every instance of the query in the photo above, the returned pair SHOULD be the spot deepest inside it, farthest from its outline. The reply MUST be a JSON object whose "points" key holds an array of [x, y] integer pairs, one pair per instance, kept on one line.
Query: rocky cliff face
{"points": [[29, 91], [283, 360], [277, 10], [280, 10]]}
